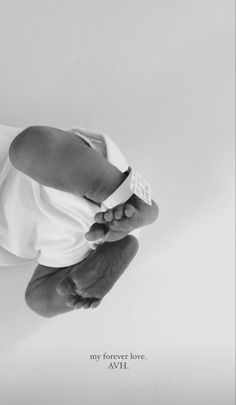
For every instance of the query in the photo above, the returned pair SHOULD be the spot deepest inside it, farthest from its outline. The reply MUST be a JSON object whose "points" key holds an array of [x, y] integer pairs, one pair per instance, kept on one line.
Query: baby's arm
{"points": [[53, 291]]}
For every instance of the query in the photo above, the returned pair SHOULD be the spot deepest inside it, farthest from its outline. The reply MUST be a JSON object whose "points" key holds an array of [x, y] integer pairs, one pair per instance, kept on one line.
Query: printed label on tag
{"points": [[141, 187]]}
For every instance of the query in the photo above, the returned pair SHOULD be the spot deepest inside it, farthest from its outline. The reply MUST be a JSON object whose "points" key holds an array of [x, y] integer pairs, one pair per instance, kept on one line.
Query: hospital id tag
{"points": [[133, 184], [140, 187]]}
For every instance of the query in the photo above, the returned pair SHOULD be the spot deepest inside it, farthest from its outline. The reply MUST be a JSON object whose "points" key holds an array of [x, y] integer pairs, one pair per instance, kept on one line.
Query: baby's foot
{"points": [[115, 223], [67, 288], [96, 275]]}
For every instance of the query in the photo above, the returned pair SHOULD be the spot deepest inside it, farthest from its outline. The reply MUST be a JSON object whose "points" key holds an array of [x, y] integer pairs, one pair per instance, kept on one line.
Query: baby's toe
{"points": [[118, 212], [129, 210], [96, 231], [86, 304], [95, 303], [79, 303], [99, 217], [71, 301], [108, 215]]}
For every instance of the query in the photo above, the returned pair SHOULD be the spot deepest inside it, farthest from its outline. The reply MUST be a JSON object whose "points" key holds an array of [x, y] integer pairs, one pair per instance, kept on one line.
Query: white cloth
{"points": [[41, 223]]}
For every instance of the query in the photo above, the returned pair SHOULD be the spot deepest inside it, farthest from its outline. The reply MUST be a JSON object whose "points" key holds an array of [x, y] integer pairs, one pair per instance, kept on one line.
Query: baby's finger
{"points": [[129, 210]]}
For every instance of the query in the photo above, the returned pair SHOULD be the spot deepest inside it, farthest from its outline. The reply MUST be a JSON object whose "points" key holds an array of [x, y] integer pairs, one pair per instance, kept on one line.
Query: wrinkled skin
{"points": [[55, 291]]}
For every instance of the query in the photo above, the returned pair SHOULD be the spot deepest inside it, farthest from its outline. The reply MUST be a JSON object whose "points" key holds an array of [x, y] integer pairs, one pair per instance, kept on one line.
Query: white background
{"points": [[158, 77]]}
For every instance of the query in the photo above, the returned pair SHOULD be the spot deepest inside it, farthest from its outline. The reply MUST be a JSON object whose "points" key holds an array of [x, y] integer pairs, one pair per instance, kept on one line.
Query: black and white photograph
{"points": [[117, 202]]}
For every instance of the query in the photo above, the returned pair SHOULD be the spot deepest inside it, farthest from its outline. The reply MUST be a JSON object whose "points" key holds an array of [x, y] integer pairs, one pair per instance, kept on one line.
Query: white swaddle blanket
{"points": [[41, 223]]}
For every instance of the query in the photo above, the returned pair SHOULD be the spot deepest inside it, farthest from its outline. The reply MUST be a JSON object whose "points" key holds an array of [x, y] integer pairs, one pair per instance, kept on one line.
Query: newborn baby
{"points": [[61, 180]]}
